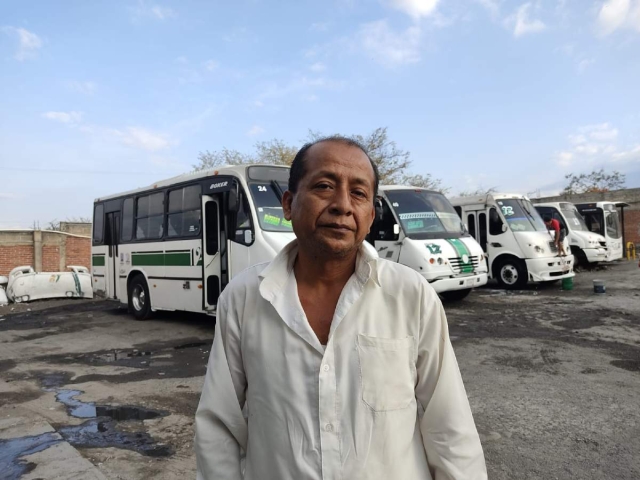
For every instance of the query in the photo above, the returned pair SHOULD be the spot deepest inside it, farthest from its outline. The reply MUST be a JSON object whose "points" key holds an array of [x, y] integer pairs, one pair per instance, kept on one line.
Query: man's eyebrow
{"points": [[336, 178]]}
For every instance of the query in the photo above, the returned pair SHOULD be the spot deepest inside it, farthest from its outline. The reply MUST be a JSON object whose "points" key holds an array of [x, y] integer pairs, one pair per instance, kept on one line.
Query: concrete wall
{"points": [[44, 250], [76, 228], [627, 195]]}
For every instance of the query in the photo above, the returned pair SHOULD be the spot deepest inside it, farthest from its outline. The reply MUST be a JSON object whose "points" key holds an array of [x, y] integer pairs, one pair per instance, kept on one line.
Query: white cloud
{"points": [[585, 63], [258, 104], [64, 117], [600, 133], [28, 42], [318, 67], [300, 84], [144, 9], [210, 65], [415, 8], [182, 60], [142, 138], [593, 144], [617, 14], [86, 88], [522, 24], [255, 130], [388, 47]]}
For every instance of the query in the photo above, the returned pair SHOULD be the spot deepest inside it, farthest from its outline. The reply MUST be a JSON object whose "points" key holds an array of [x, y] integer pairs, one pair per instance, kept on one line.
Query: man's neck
{"points": [[311, 269]]}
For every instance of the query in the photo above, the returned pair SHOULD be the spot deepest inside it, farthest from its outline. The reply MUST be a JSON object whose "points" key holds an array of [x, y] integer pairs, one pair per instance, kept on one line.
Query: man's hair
{"points": [[298, 168], [547, 217]]}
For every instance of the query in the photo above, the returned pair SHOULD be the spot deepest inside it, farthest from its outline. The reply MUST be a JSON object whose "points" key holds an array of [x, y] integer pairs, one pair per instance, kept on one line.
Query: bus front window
{"points": [[521, 216], [267, 199], [424, 214], [574, 219]]}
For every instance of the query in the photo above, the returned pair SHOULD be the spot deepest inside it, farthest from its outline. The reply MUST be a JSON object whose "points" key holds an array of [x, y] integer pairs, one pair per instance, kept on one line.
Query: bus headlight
{"points": [[538, 249], [440, 261]]}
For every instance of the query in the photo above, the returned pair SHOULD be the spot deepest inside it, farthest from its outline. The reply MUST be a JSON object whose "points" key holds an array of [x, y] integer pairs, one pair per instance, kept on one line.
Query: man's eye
{"points": [[323, 186], [359, 193]]}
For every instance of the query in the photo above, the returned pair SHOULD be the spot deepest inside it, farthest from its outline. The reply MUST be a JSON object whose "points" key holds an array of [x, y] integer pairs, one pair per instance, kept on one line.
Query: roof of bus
{"points": [[471, 199], [239, 170], [552, 204], [405, 187]]}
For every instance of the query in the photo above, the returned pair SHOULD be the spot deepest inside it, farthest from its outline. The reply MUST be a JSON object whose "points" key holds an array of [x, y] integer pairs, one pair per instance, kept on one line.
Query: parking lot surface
{"points": [[553, 378]]}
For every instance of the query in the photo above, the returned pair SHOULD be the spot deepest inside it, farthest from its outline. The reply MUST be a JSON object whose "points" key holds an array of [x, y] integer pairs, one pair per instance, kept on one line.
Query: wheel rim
{"points": [[138, 297], [509, 274]]}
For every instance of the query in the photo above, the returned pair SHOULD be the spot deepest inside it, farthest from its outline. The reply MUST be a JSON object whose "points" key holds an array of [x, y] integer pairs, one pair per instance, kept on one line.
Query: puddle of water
{"points": [[76, 408], [115, 356], [191, 345], [12, 465]]}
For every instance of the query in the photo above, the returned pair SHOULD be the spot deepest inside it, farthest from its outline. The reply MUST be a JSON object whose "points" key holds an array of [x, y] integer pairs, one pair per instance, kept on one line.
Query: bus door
{"points": [[385, 232], [112, 236], [476, 222], [211, 251]]}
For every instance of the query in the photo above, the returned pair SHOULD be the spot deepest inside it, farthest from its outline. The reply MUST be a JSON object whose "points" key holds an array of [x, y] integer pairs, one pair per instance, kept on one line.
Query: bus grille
{"points": [[603, 245], [459, 267], [552, 247]]}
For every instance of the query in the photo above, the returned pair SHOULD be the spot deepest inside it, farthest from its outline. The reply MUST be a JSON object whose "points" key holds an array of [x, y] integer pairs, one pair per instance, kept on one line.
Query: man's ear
{"points": [[287, 201]]}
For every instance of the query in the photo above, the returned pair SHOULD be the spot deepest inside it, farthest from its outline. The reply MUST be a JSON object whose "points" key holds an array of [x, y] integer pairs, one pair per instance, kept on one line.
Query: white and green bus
{"points": [[419, 228], [176, 244]]}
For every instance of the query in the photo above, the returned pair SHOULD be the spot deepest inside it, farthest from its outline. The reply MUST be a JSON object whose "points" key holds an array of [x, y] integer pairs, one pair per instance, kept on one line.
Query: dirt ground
{"points": [[553, 378]]}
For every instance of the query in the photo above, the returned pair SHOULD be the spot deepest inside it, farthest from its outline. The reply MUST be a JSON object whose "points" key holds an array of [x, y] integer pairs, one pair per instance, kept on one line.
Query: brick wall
{"points": [[46, 251]]}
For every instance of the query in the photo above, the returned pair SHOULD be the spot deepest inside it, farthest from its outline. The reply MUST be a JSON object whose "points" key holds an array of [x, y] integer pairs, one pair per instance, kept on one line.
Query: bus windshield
{"points": [[521, 216], [267, 198], [612, 223], [574, 219], [424, 214]]}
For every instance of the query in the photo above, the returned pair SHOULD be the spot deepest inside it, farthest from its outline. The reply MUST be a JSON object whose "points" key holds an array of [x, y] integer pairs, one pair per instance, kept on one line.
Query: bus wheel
{"points": [[139, 299], [455, 295], [511, 274]]}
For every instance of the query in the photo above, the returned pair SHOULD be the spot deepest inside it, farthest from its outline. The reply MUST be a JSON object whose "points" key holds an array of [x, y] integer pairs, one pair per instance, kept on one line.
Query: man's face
{"points": [[332, 211]]}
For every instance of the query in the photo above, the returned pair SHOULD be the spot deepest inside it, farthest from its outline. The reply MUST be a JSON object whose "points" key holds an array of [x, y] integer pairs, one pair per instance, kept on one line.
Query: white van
{"points": [[514, 238], [420, 229], [603, 218], [587, 247]]}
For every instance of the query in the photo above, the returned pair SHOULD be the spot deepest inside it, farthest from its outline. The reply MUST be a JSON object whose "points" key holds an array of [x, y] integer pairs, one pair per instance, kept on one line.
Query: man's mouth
{"points": [[338, 226]]}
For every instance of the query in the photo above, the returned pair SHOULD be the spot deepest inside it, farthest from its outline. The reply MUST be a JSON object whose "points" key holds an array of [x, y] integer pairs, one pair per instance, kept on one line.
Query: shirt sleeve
{"points": [[449, 433], [221, 429]]}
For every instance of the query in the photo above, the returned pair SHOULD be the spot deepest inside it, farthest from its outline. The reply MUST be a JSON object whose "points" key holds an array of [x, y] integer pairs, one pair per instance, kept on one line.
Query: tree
{"points": [[392, 161], [55, 224], [594, 182], [480, 191]]}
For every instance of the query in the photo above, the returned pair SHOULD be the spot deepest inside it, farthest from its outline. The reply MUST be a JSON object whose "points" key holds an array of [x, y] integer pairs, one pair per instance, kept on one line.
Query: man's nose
{"points": [[341, 202]]}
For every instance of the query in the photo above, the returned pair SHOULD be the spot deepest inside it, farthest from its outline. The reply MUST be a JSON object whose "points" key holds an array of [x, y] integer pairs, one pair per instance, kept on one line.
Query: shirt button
{"points": [[328, 427], [326, 368]]}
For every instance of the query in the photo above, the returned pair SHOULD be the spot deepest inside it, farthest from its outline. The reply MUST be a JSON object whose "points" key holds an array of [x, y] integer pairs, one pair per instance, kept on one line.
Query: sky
{"points": [[105, 96]]}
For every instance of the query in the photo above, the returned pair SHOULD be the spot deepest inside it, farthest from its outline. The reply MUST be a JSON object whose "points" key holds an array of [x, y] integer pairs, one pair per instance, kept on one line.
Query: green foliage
{"points": [[596, 181]]}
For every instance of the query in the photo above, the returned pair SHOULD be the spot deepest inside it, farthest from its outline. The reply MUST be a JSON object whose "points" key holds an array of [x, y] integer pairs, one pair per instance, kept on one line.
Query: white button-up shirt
{"points": [[383, 400]]}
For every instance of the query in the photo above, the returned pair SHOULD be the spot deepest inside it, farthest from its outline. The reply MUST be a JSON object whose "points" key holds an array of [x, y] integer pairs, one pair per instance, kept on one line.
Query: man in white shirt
{"points": [[330, 363]]}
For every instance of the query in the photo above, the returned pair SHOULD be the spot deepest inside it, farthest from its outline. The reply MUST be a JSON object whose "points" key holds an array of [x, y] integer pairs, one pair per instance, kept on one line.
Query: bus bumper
{"points": [[458, 283], [595, 254], [550, 268]]}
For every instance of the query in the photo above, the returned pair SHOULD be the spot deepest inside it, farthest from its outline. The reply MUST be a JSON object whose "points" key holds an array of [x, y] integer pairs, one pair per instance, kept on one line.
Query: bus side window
{"points": [[482, 227], [127, 220], [495, 222], [98, 224], [471, 220]]}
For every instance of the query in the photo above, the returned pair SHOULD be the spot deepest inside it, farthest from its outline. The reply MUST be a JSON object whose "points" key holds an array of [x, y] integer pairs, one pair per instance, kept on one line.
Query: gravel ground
{"points": [[553, 378]]}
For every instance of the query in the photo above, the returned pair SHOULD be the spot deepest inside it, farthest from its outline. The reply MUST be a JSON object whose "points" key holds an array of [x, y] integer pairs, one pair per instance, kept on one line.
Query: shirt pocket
{"points": [[387, 372]]}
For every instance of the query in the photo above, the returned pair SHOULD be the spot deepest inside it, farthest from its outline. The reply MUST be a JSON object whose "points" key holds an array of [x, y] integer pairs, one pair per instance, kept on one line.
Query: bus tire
{"points": [[455, 295], [139, 299], [511, 273]]}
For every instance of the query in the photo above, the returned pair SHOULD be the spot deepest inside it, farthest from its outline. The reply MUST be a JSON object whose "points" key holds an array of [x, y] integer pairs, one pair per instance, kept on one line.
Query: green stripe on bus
{"points": [[462, 250], [97, 260], [171, 259]]}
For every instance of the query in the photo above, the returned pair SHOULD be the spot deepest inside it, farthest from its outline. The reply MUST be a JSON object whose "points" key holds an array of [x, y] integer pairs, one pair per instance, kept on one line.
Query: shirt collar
{"points": [[275, 275]]}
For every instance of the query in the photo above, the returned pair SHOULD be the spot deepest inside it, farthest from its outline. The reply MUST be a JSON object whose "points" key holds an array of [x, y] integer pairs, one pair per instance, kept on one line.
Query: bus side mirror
{"points": [[248, 237], [379, 210], [504, 228], [396, 229]]}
